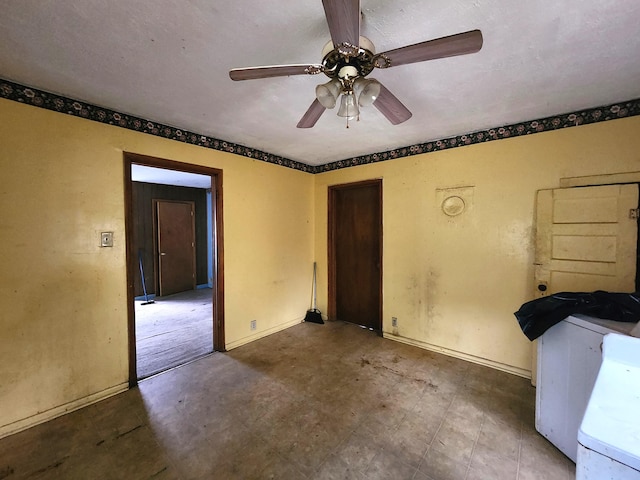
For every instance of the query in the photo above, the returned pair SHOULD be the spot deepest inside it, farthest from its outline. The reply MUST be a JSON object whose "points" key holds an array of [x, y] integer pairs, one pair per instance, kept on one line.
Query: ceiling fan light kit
{"points": [[348, 107], [328, 93], [349, 57], [366, 90]]}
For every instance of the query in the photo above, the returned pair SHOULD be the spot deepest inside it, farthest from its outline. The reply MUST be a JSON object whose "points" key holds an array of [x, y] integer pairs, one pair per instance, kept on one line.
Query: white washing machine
{"points": [[609, 435], [569, 357]]}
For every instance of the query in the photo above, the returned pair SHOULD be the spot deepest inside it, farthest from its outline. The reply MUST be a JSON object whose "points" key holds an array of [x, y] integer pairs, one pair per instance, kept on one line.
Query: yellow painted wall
{"points": [[454, 282], [63, 315]]}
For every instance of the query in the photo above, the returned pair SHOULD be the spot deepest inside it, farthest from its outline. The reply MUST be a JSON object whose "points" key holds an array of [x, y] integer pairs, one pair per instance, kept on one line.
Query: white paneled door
{"points": [[586, 240]]}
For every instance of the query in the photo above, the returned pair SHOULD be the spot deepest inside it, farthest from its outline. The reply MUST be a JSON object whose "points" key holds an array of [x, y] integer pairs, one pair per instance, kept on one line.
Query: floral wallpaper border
{"points": [[592, 115], [58, 103], [31, 96]]}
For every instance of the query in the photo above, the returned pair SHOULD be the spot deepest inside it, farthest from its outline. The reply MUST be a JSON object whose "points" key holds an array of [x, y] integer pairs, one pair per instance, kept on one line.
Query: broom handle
{"points": [[314, 285], [144, 286]]}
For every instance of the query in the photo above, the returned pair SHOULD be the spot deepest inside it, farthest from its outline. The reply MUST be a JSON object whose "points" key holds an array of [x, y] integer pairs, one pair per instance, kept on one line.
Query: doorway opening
{"points": [[355, 253], [174, 239]]}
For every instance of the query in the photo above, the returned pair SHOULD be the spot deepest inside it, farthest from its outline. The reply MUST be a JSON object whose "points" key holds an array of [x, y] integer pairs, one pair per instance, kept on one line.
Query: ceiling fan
{"points": [[349, 57]]}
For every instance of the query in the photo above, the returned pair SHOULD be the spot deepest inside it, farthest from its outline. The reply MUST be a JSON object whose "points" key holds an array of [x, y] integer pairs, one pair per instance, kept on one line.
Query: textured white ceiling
{"points": [[168, 61]]}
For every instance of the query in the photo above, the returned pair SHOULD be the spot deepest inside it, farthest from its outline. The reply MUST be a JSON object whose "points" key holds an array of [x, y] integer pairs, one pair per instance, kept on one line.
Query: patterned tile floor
{"points": [[329, 401]]}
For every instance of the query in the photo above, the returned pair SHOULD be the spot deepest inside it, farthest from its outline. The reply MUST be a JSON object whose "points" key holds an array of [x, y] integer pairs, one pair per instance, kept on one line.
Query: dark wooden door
{"points": [[355, 253], [176, 246]]}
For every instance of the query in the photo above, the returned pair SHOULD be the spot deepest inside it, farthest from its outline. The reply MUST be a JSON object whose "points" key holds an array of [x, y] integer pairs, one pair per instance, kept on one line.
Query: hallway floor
{"points": [[329, 401], [173, 330]]}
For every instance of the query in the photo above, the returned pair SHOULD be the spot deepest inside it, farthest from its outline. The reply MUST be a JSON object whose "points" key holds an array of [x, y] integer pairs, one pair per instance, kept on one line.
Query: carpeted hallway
{"points": [[329, 401]]}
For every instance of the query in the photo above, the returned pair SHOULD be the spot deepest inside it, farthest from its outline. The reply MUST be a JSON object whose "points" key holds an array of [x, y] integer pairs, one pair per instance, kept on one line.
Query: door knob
{"points": [[542, 287], [162, 254]]}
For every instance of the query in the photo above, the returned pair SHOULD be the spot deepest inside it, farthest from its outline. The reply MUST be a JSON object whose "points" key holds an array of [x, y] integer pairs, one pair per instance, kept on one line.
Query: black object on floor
{"points": [[313, 314], [539, 315]]}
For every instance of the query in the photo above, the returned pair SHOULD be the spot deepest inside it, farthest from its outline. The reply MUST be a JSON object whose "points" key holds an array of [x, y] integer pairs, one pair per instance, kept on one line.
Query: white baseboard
{"points": [[262, 333], [56, 412], [521, 372]]}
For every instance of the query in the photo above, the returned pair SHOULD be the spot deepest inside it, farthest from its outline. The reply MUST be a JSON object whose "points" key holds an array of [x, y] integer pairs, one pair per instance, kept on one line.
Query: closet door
{"points": [[355, 253], [176, 246]]}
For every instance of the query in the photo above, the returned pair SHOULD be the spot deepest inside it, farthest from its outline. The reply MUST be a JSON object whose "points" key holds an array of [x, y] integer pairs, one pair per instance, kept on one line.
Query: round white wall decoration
{"points": [[453, 205]]}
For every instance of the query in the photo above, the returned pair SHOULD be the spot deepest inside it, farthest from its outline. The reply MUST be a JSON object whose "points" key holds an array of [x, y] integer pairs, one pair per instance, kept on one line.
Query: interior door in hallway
{"points": [[175, 227], [355, 253]]}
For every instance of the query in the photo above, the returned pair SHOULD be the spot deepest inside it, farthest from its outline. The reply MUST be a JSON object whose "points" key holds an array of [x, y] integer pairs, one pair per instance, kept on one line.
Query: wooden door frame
{"points": [[331, 247], [130, 159]]}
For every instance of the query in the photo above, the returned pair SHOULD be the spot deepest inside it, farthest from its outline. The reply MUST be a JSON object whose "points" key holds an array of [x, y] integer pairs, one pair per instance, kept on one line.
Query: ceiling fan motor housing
{"points": [[348, 62]]}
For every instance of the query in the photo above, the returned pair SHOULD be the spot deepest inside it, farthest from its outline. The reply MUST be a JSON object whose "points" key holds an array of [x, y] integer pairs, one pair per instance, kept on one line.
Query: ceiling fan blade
{"points": [[312, 115], [343, 17], [251, 73], [391, 107], [459, 44]]}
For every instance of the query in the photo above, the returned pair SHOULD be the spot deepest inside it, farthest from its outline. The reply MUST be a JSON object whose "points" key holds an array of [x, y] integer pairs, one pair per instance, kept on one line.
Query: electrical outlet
{"points": [[394, 322], [253, 324]]}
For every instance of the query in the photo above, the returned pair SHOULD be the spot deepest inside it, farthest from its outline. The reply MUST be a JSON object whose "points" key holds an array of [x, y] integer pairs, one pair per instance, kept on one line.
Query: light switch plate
{"points": [[106, 239]]}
